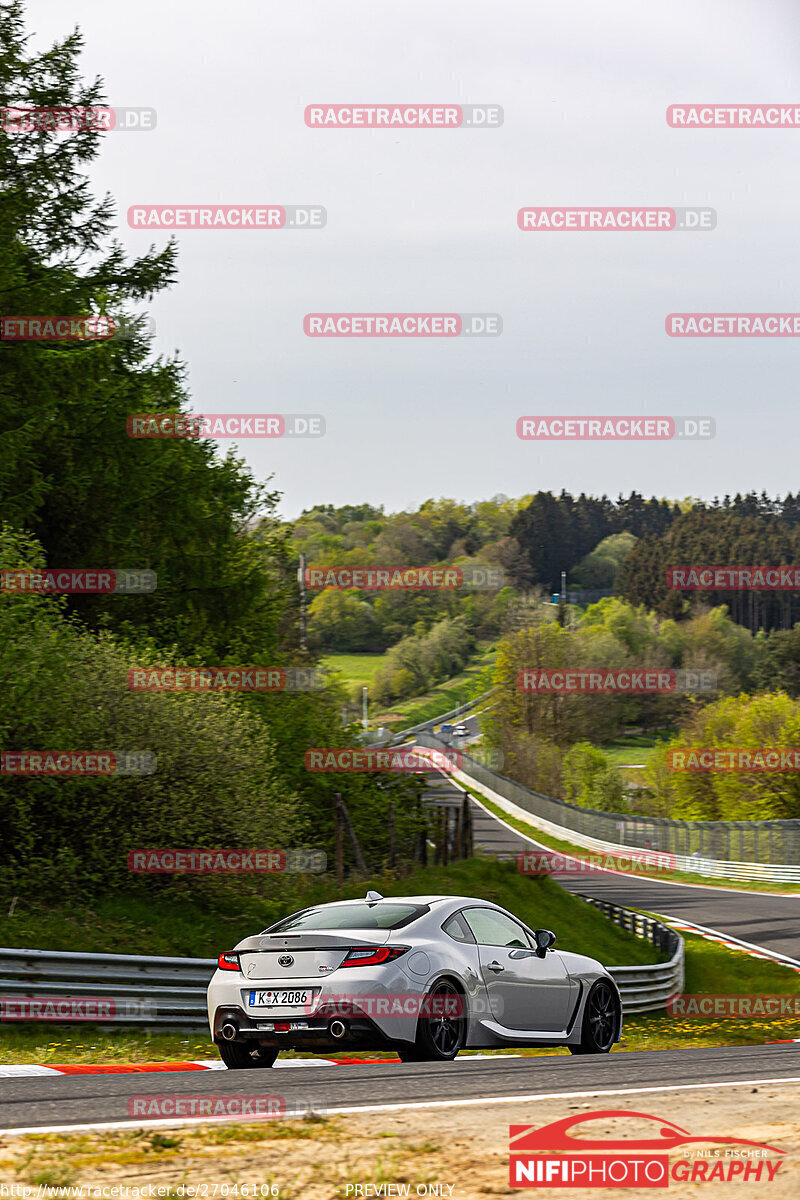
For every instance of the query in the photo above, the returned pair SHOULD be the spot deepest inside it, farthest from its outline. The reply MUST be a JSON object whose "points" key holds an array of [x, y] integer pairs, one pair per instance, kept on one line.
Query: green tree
{"points": [[746, 722], [339, 620], [69, 472], [591, 781]]}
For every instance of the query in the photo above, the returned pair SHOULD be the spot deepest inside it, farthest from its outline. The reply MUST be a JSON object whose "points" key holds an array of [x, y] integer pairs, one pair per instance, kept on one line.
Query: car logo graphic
{"points": [[668, 1135], [285, 960], [553, 1156]]}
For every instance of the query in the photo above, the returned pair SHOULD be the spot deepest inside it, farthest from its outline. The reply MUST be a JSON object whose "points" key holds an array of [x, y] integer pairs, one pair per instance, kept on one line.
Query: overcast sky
{"points": [[425, 221]]}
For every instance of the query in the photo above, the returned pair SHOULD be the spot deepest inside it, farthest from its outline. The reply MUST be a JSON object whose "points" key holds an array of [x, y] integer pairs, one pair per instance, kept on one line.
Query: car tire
{"points": [[439, 1038], [408, 1054], [241, 1056], [601, 1018]]}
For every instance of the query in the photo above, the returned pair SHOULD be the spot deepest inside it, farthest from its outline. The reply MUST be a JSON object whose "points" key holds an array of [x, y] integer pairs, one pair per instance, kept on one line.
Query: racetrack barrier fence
{"points": [[766, 850]]}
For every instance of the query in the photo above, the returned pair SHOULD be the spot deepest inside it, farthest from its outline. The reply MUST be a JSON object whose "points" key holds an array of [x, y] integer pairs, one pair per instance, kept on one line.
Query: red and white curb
{"points": [[203, 1064], [731, 943], [209, 1064]]}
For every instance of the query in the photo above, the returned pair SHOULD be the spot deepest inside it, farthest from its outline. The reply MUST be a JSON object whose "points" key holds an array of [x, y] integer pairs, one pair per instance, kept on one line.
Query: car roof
{"points": [[408, 900]]}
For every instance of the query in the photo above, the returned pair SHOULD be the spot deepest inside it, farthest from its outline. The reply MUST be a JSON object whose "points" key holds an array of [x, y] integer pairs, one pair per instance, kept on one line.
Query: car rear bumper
{"points": [[318, 1032], [382, 1010]]}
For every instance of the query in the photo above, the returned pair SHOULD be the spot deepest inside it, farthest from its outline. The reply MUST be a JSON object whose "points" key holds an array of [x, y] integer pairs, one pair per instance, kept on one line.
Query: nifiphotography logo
{"points": [[553, 1156]]}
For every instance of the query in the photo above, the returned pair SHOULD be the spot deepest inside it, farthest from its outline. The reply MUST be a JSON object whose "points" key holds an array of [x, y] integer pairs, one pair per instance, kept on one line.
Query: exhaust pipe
{"points": [[337, 1029], [229, 1031]]}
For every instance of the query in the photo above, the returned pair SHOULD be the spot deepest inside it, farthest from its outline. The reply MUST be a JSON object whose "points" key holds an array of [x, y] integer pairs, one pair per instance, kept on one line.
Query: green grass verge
{"points": [[136, 924], [133, 924], [579, 851], [357, 669], [449, 694], [631, 755], [636, 747], [713, 969]]}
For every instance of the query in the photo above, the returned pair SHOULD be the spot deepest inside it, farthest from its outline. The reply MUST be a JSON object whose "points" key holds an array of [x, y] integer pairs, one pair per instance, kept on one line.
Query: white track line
{"points": [[534, 1097]]}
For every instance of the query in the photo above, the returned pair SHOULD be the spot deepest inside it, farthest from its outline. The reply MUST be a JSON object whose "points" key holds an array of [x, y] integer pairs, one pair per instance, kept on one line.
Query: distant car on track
{"points": [[425, 976]]}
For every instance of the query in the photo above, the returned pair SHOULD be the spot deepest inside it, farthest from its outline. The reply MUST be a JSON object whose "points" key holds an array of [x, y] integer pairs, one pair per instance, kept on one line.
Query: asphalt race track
{"points": [[44, 1102]]}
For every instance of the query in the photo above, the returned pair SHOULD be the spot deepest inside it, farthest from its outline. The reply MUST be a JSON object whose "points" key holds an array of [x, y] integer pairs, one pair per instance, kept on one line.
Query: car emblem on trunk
{"points": [[285, 960]]}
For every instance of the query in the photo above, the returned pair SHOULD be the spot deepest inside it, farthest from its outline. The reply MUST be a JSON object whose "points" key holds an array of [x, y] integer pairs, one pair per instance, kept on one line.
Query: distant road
{"points": [[766, 919]]}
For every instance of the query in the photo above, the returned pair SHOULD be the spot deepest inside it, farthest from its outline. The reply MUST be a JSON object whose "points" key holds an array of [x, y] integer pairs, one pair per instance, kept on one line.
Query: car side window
{"points": [[492, 928], [456, 927]]}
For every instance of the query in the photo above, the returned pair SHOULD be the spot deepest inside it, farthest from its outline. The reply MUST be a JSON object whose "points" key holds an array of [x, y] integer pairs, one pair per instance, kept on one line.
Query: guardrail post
{"points": [[338, 838], [466, 850]]}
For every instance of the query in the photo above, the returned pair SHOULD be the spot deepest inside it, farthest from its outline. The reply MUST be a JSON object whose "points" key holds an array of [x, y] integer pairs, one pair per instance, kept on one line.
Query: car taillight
{"points": [[228, 962], [369, 956]]}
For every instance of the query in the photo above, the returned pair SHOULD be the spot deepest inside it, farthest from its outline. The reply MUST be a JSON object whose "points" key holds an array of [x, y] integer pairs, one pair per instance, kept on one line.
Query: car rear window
{"points": [[352, 916]]}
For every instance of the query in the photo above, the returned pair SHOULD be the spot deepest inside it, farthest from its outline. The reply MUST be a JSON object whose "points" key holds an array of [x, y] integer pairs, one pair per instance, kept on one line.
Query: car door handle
{"points": [[495, 966]]}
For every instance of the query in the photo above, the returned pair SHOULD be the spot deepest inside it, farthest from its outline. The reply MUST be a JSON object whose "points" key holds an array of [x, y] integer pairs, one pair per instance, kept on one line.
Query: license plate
{"points": [[282, 997], [269, 1026]]}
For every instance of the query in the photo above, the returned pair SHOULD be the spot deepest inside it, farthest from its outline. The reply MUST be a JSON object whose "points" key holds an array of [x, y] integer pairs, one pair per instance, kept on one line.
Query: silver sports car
{"points": [[425, 976]]}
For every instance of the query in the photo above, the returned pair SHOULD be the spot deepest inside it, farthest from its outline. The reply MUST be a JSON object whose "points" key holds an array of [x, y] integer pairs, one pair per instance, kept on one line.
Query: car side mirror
{"points": [[545, 938]]}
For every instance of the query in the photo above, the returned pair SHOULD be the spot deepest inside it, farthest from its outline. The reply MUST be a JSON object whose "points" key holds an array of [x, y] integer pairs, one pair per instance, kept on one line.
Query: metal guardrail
{"points": [[130, 989], [429, 724], [699, 847], [645, 988]]}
